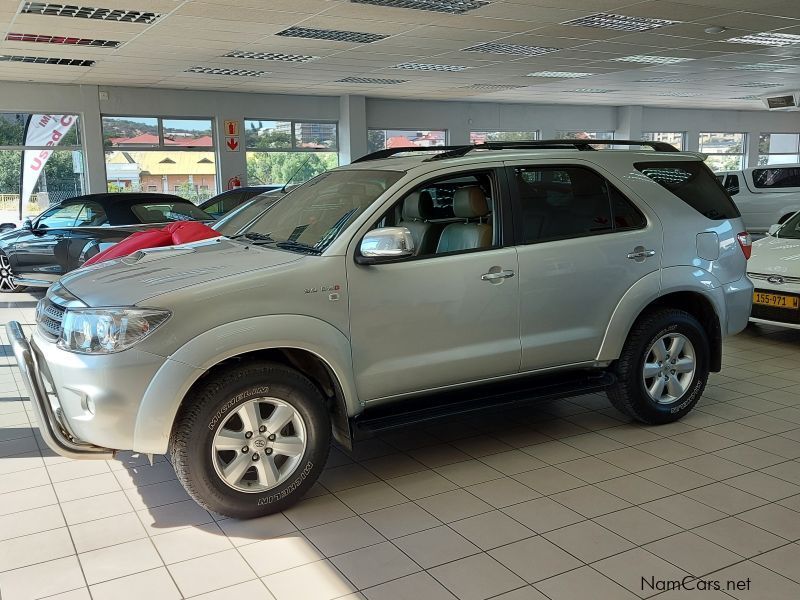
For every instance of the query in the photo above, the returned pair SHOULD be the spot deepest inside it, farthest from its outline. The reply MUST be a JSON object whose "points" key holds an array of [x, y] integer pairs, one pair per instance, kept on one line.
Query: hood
{"points": [[780, 256], [152, 272]]}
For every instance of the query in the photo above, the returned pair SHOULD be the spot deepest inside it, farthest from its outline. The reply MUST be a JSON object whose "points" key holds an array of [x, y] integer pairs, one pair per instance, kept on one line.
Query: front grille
{"points": [[49, 317], [766, 276]]}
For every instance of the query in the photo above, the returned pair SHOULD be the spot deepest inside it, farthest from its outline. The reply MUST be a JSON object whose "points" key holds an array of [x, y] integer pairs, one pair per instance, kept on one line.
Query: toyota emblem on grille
{"points": [[776, 279]]}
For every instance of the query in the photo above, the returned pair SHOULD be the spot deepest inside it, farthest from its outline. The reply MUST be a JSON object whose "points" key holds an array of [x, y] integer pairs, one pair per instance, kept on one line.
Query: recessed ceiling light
{"points": [[566, 74], [655, 60], [590, 91], [269, 56], [755, 84], [371, 80], [492, 87], [218, 71], [334, 35], [767, 39], [679, 94], [54, 39], [43, 60], [513, 49], [429, 67], [456, 7], [619, 22], [768, 67], [86, 12]]}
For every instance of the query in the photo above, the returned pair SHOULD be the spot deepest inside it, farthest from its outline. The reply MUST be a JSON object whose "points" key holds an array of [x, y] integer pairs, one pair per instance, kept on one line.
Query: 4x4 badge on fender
{"points": [[776, 279]]}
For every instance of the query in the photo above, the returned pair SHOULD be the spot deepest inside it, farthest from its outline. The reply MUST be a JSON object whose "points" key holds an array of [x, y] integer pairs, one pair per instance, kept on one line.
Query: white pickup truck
{"points": [[765, 195]]}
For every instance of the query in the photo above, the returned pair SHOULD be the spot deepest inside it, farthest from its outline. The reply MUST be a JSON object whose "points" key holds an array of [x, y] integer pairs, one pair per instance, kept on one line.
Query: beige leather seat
{"points": [[417, 210], [470, 204]]}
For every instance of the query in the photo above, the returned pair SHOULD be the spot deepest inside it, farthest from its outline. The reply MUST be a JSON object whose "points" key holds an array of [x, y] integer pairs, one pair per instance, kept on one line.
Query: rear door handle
{"points": [[640, 254], [495, 275]]}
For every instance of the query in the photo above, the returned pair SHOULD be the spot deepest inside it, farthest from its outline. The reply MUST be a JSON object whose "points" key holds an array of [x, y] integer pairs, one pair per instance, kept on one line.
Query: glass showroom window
{"points": [[281, 152], [726, 151], [41, 162], [778, 148], [676, 139], [381, 139], [479, 137], [584, 135], [158, 154]]}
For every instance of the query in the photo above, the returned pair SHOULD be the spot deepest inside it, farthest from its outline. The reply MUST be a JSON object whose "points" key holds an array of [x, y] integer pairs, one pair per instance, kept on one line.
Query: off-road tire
{"points": [[629, 395], [197, 420]]}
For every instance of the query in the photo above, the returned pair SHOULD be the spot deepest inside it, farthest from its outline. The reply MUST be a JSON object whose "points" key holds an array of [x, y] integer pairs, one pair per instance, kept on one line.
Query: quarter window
{"points": [[92, 215], [568, 202], [777, 177]]}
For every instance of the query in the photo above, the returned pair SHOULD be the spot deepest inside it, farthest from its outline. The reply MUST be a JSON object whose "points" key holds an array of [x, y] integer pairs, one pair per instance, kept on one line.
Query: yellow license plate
{"points": [[776, 300]]}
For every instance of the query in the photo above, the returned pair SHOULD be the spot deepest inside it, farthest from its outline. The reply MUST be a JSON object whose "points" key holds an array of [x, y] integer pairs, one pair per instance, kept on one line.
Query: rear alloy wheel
{"points": [[7, 282], [663, 367]]}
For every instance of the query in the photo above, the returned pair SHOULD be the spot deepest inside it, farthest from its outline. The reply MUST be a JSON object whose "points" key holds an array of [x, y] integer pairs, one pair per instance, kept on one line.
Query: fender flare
{"points": [[184, 367], [650, 288], [787, 210]]}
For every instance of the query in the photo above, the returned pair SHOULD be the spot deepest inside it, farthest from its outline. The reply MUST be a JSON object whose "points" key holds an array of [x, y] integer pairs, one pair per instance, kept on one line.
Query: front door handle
{"points": [[496, 275]]}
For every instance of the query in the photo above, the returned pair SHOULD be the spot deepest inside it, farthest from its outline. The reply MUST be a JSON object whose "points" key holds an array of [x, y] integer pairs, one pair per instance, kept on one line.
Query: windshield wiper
{"points": [[253, 237], [297, 246]]}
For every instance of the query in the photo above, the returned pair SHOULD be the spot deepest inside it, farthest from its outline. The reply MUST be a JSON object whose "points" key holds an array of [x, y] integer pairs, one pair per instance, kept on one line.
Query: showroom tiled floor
{"points": [[566, 500]]}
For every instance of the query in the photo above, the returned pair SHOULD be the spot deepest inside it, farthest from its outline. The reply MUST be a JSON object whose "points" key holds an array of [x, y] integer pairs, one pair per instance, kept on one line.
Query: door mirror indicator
{"points": [[386, 244]]}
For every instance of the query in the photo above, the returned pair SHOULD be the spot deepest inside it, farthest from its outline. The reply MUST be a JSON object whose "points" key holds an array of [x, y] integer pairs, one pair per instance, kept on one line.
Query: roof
{"points": [[124, 197]]}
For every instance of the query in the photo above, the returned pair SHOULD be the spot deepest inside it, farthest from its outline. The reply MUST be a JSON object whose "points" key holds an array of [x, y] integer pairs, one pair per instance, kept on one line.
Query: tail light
{"points": [[745, 243]]}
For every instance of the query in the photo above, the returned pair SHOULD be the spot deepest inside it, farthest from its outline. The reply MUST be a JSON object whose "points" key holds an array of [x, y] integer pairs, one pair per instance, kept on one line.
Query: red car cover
{"points": [[181, 232]]}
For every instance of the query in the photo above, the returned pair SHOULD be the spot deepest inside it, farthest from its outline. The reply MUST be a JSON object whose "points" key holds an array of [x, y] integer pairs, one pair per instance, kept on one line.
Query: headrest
{"points": [[470, 202], [418, 206]]}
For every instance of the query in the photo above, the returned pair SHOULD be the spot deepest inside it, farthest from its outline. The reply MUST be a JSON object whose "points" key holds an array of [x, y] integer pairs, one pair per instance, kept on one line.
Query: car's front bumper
{"points": [[52, 424], [770, 315]]}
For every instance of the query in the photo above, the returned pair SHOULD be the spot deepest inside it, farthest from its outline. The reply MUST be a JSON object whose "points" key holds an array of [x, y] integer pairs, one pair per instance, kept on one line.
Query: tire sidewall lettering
{"points": [[235, 401], [289, 489]]}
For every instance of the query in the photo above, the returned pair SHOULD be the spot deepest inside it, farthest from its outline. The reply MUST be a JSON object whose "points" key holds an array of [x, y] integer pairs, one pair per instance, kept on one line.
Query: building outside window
{"points": [[381, 139], [281, 152], [41, 162], [584, 135], [158, 154], [676, 138], [726, 151], [479, 137], [778, 148]]}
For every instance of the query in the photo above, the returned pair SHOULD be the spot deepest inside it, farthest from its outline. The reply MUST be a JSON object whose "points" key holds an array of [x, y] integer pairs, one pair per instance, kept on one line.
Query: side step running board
{"points": [[403, 413]]}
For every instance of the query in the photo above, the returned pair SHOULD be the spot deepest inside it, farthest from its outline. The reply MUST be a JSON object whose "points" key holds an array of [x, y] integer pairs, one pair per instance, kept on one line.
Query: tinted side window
{"points": [[562, 202], [92, 215], [64, 216], [732, 184], [777, 178], [695, 184], [626, 215]]}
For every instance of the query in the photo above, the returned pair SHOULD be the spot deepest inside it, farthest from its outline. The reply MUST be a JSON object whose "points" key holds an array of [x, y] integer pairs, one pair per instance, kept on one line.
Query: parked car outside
{"points": [[344, 310], [775, 272], [765, 195], [64, 236], [228, 200]]}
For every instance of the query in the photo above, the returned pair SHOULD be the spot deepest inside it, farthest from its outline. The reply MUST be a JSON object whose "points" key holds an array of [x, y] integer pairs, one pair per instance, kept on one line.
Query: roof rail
{"points": [[388, 152], [578, 144]]}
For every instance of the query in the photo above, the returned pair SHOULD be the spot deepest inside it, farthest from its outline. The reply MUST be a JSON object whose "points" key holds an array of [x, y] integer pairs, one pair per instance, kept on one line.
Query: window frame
{"points": [[502, 223], [161, 146], [293, 136], [767, 155], [743, 154], [681, 133], [407, 129], [537, 133], [516, 205]]}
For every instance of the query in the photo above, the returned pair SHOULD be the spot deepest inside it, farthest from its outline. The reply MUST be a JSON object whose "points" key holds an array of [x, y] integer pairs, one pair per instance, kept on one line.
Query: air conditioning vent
{"points": [[371, 81], [453, 7], [785, 101], [356, 37], [59, 39], [86, 12], [46, 60]]}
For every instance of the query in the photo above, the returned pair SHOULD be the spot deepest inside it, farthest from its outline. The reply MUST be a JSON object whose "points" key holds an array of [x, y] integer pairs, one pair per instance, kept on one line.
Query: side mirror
{"points": [[773, 229], [27, 224], [385, 245]]}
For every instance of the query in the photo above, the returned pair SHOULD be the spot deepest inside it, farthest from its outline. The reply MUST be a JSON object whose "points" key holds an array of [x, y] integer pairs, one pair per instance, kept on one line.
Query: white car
{"points": [[764, 195], [774, 269]]}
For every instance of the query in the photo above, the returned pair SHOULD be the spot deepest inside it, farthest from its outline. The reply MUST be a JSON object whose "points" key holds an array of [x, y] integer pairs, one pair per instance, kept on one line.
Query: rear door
{"points": [[582, 244]]}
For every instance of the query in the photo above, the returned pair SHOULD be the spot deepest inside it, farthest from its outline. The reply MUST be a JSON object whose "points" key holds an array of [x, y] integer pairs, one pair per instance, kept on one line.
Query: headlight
{"points": [[107, 330]]}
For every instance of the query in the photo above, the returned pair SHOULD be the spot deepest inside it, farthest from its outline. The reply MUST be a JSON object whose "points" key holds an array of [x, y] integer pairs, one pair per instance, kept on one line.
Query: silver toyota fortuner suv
{"points": [[400, 288]]}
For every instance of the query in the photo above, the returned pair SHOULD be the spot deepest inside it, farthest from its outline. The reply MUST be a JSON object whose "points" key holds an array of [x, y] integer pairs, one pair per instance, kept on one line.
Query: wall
{"points": [[357, 113]]}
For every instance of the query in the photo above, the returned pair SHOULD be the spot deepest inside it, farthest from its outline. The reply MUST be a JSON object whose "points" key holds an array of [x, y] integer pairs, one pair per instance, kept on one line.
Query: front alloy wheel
{"points": [[7, 282], [259, 446], [669, 368]]}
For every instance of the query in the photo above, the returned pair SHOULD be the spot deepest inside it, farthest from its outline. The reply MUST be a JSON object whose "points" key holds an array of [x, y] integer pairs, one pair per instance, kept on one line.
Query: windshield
{"points": [[234, 221], [791, 229], [311, 217]]}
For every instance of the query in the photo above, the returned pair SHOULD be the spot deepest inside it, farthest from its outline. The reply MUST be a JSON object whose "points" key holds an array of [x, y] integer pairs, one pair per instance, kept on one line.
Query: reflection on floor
{"points": [[566, 500]]}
